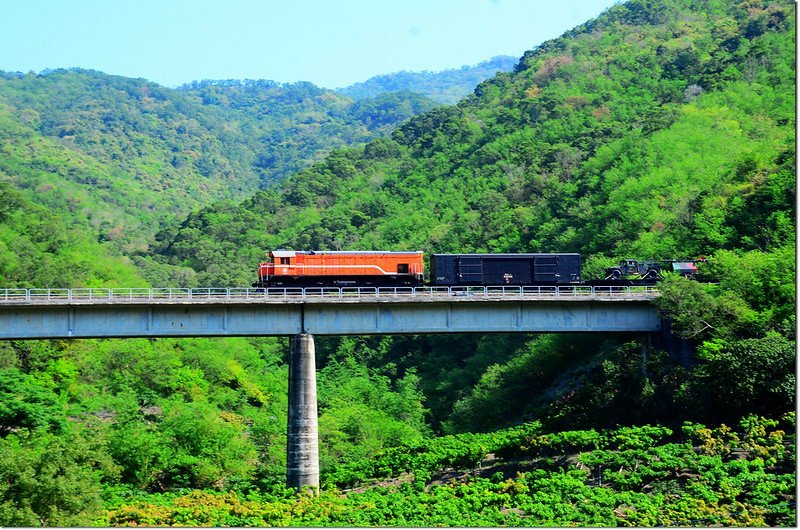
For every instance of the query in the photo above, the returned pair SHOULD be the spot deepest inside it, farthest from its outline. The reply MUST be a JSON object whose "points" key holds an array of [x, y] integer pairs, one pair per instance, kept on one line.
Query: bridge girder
{"points": [[226, 319]]}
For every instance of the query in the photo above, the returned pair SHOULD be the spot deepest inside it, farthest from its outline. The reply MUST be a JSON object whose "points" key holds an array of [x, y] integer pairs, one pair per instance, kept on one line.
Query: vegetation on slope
{"points": [[38, 249], [115, 417], [631, 476], [447, 86], [288, 126], [124, 155]]}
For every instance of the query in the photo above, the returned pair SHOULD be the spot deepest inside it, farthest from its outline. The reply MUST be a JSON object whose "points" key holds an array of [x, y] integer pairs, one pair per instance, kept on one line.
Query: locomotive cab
{"points": [[283, 257], [277, 262]]}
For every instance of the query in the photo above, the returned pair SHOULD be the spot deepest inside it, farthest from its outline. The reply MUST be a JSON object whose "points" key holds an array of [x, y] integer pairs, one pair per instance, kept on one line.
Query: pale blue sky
{"points": [[332, 43]]}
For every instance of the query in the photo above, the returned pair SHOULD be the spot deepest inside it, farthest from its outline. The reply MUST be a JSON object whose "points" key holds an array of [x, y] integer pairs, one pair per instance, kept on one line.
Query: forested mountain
{"points": [[447, 86], [660, 129], [116, 157], [295, 124]]}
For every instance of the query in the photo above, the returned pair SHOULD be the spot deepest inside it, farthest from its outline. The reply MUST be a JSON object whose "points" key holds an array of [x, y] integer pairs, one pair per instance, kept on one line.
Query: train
{"points": [[323, 268]]}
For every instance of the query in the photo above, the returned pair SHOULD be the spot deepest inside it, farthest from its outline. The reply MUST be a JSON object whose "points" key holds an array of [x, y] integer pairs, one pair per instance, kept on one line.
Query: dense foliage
{"points": [[287, 126], [123, 155], [661, 129], [40, 248], [447, 86], [162, 415], [631, 476]]}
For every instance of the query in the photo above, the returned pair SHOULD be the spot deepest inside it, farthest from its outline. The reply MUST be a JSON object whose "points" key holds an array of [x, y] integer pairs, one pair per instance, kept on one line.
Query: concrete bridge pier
{"points": [[302, 445]]}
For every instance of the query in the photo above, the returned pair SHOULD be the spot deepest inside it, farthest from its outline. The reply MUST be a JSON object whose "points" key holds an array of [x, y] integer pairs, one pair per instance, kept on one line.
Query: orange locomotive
{"points": [[329, 268]]}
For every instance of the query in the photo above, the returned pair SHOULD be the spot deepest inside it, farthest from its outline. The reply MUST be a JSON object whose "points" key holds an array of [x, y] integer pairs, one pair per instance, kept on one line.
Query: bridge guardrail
{"points": [[295, 294]]}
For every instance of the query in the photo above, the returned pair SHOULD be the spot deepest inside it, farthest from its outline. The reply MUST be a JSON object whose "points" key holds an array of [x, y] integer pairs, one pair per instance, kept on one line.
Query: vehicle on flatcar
{"points": [[631, 270]]}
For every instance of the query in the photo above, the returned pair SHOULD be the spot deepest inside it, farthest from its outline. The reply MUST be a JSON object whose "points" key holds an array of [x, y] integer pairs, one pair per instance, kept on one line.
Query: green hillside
{"points": [[122, 156], [40, 248], [447, 86], [288, 126], [660, 129]]}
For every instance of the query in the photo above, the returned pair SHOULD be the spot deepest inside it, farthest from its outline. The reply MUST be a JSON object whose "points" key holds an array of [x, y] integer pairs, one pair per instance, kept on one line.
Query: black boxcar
{"points": [[505, 269]]}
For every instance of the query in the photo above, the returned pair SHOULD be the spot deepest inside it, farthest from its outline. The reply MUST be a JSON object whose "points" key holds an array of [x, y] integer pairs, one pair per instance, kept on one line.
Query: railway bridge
{"points": [[302, 313]]}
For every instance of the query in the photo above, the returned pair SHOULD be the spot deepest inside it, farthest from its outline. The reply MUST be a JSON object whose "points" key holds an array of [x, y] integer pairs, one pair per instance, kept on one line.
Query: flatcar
{"points": [[505, 269], [340, 269]]}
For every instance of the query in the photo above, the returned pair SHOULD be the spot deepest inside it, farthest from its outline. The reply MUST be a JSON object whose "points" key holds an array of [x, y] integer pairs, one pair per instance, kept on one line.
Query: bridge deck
{"points": [[122, 313]]}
